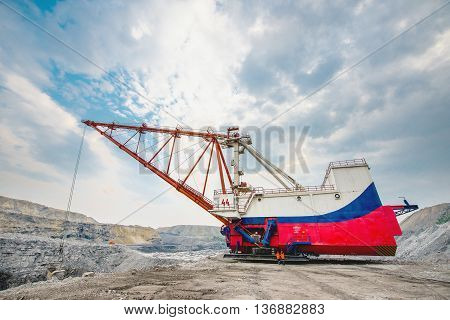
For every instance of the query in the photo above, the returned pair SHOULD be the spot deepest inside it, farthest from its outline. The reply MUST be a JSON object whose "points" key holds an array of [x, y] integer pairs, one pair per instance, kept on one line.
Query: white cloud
{"points": [[436, 56], [139, 30], [30, 121], [38, 105], [188, 56]]}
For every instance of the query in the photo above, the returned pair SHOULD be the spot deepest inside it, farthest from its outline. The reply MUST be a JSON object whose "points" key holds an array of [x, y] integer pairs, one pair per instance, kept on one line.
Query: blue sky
{"points": [[216, 63]]}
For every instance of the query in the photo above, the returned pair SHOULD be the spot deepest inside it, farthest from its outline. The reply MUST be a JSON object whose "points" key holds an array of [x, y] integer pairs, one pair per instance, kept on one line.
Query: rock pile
{"points": [[426, 235], [30, 239]]}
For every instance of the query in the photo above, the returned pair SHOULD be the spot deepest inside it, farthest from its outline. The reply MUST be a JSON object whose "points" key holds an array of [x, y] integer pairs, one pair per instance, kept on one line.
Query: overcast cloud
{"points": [[217, 63]]}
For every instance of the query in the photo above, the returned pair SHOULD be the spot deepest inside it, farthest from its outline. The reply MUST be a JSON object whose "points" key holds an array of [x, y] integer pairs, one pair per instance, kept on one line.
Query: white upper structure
{"points": [[344, 182]]}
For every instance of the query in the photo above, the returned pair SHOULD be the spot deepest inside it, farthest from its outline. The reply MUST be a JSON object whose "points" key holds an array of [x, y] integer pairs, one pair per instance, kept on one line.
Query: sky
{"points": [[215, 64]]}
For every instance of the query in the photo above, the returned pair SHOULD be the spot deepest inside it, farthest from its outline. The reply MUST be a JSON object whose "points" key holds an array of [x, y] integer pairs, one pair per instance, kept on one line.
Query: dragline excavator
{"points": [[342, 216]]}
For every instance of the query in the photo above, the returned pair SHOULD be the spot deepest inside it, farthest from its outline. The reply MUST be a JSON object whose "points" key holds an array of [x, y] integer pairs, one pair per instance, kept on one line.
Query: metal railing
{"points": [[299, 189], [197, 193], [343, 164], [348, 163], [281, 190], [260, 190]]}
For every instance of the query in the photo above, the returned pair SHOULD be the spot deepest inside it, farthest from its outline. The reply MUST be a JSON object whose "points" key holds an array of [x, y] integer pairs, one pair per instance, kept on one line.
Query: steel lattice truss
{"points": [[157, 148]]}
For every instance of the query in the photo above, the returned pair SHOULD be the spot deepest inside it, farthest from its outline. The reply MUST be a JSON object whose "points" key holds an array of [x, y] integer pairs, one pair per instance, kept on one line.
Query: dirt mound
{"points": [[28, 218], [186, 238], [426, 235], [192, 231], [39, 210]]}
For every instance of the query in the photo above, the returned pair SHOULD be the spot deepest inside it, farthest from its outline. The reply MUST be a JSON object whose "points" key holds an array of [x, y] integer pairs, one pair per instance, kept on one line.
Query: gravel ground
{"points": [[420, 271], [26, 258], [216, 278]]}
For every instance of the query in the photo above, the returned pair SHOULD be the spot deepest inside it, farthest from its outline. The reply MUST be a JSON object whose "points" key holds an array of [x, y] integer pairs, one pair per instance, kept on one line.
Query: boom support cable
{"points": [[69, 202]]}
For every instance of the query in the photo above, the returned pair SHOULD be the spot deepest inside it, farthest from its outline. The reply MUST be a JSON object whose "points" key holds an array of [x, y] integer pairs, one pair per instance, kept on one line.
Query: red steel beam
{"points": [[129, 138], [171, 153], [196, 162], [144, 127], [225, 165], [207, 171], [191, 195], [165, 143], [219, 163]]}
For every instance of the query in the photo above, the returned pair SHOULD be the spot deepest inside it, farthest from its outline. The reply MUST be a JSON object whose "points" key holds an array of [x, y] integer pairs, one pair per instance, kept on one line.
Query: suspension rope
{"points": [[158, 159], [69, 202], [153, 145], [187, 158], [195, 170]]}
